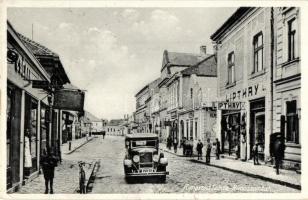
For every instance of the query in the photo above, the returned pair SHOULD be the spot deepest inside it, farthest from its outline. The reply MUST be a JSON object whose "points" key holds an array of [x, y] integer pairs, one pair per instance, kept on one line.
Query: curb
{"points": [[72, 151], [164, 150], [280, 182]]}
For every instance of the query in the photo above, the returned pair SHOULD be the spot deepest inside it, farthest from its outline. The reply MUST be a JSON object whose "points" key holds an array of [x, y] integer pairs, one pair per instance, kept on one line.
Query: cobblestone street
{"points": [[185, 176]]}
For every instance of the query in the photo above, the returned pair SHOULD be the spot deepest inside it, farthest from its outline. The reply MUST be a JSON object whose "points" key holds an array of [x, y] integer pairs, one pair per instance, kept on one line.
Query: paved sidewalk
{"points": [[286, 177], [75, 144], [66, 179]]}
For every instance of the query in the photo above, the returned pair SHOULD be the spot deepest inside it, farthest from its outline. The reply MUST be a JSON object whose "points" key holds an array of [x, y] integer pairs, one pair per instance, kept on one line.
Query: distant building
{"points": [[114, 127], [172, 64], [91, 124]]}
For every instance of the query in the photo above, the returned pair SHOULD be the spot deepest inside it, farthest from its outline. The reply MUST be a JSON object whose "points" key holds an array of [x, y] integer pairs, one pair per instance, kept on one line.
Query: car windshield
{"points": [[148, 143]]}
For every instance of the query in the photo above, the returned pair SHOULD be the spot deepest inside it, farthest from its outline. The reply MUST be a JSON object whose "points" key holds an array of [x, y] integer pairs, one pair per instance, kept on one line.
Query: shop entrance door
{"points": [[257, 126], [259, 133]]}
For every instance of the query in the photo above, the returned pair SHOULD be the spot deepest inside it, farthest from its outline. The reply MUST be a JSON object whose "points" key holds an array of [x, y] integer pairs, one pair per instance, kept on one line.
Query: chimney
{"points": [[203, 50]]}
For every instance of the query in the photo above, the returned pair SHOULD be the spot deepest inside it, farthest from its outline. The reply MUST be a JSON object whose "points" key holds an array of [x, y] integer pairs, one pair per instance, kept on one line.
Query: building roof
{"points": [[231, 21], [42, 51], [37, 48], [181, 59], [14, 34], [140, 91], [90, 117], [207, 67]]}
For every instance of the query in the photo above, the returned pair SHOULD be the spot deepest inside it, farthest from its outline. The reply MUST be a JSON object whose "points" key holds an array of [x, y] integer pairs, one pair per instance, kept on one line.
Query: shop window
{"points": [[191, 93], [258, 52], [292, 39], [231, 68], [44, 126], [292, 122], [187, 129], [191, 129]]}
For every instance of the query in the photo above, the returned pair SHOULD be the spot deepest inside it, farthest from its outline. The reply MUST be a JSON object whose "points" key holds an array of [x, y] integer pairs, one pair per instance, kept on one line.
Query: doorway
{"points": [[257, 127]]}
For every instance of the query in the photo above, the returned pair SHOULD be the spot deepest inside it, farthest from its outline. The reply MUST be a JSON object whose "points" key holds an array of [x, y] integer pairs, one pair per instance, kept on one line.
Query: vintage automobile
{"points": [[143, 158]]}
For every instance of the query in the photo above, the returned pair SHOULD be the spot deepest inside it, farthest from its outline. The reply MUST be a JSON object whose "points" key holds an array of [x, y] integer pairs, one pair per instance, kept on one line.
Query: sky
{"points": [[113, 52]]}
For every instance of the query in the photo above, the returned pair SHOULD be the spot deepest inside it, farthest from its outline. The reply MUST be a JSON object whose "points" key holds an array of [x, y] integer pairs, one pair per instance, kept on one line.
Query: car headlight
{"points": [[163, 161], [155, 158], [136, 158], [128, 163]]}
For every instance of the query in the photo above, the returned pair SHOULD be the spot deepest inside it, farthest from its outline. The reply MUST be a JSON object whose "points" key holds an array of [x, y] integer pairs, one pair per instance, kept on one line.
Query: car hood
{"points": [[144, 150]]}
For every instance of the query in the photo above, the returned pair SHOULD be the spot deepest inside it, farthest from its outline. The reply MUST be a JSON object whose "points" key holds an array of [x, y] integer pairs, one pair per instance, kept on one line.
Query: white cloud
{"points": [[65, 25], [161, 25], [130, 14]]}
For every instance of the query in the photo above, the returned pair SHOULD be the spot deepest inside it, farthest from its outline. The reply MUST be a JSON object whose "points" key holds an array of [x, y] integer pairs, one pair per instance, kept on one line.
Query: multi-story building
{"points": [[197, 118], [142, 117], [153, 106], [173, 62], [258, 59], [287, 82], [33, 74]]}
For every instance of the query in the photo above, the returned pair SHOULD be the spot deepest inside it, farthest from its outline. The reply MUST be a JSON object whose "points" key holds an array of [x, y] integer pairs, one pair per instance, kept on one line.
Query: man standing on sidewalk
{"points": [[279, 148], [48, 162], [175, 145], [208, 151], [199, 149], [217, 149]]}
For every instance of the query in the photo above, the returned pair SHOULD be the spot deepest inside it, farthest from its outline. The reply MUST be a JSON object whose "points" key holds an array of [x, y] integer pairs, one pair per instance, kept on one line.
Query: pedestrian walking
{"points": [[104, 133], [199, 149], [279, 148], [175, 145], [255, 154], [169, 141], [208, 151], [82, 179], [48, 162], [217, 152]]}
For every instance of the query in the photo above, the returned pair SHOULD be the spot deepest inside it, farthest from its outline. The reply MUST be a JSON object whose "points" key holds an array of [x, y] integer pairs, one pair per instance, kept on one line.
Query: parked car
{"points": [[143, 158]]}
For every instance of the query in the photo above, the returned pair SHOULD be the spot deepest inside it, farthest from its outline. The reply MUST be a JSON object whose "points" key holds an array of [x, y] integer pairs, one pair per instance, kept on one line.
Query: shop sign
{"points": [[243, 93], [69, 100], [20, 63], [233, 105]]}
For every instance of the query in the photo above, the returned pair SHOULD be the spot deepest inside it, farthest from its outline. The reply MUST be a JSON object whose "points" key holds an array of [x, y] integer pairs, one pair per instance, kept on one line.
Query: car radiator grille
{"points": [[146, 158]]}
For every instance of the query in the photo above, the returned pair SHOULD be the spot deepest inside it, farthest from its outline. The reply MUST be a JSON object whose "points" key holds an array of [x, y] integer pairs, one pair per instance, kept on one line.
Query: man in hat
{"points": [[48, 162]]}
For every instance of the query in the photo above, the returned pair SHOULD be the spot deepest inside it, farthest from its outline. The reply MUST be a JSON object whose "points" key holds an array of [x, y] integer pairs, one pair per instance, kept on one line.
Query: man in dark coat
{"points": [[217, 149], [279, 148], [48, 162], [175, 145], [199, 149], [208, 151]]}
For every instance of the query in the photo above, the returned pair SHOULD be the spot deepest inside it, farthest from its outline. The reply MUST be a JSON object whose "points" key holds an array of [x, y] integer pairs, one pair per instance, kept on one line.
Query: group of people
{"points": [[173, 143], [277, 152], [208, 150]]}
